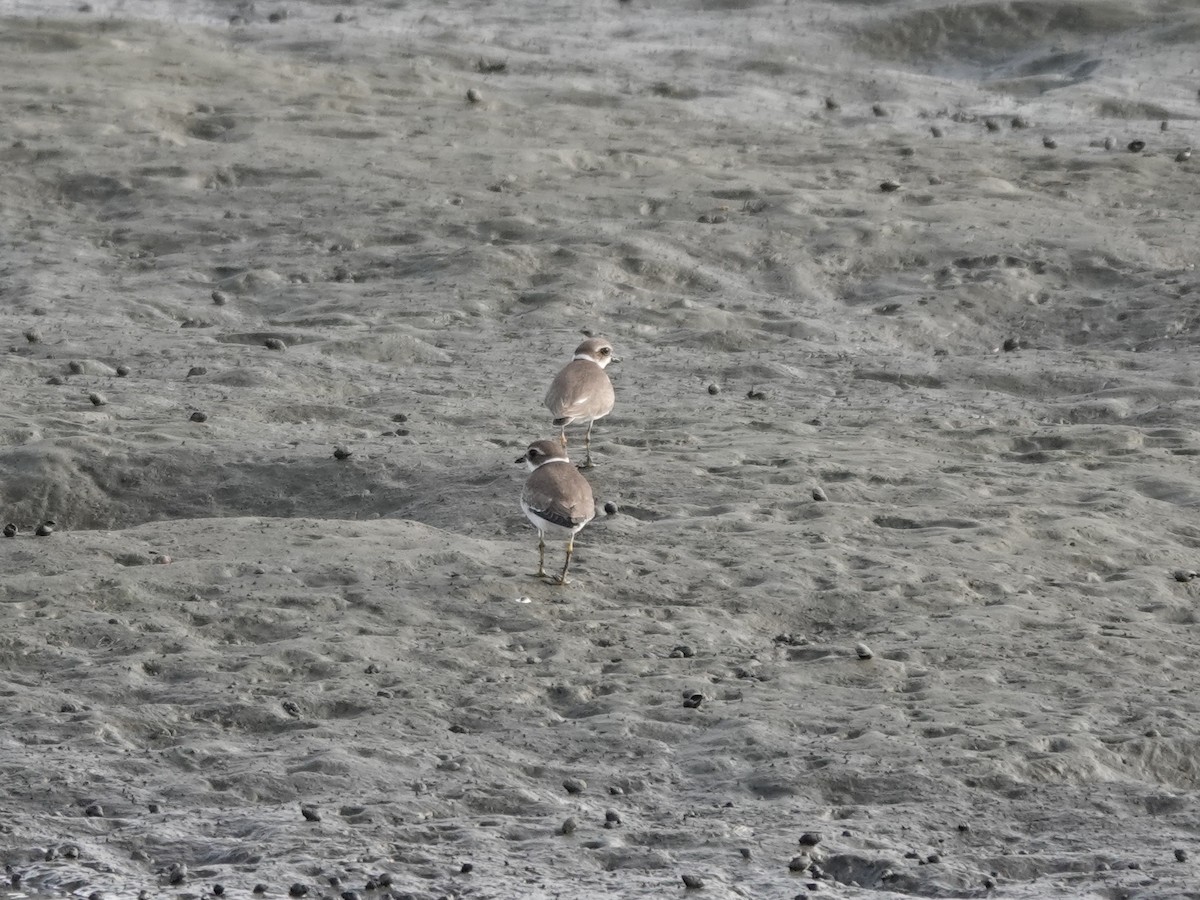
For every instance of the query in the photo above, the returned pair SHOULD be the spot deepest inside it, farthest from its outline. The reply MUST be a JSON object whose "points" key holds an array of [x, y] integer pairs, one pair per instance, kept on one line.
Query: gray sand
{"points": [[402, 270]]}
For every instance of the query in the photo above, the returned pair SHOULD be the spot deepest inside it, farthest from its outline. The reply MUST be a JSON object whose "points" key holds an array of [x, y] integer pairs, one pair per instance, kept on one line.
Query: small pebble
{"points": [[714, 389], [692, 882], [1181, 855], [832, 105], [1011, 344], [291, 707], [10, 530], [177, 873], [15, 880], [351, 895], [153, 807], [863, 651], [218, 889], [745, 851], [467, 868], [220, 298], [56, 380], [610, 508], [879, 110], [45, 529], [196, 370], [399, 417], [310, 813], [122, 370], [1109, 143], [575, 785], [274, 344], [933, 858], [1137, 146], [473, 95], [1183, 155], [75, 367], [298, 890], [1179, 574], [819, 495], [988, 882], [810, 839], [1049, 143], [373, 669], [889, 186], [342, 453], [935, 131], [278, 16], [1019, 122], [798, 864], [260, 888], [682, 651], [199, 416], [693, 701], [991, 125], [98, 399], [568, 826], [33, 336], [1163, 125], [95, 895], [756, 394]]}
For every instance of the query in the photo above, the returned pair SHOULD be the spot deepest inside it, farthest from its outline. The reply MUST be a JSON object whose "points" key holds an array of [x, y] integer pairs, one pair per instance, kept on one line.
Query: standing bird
{"points": [[581, 391], [556, 499]]}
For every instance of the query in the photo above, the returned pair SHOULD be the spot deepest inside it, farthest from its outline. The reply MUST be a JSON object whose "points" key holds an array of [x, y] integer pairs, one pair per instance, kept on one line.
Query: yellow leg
{"points": [[562, 579], [541, 572], [587, 442], [562, 435]]}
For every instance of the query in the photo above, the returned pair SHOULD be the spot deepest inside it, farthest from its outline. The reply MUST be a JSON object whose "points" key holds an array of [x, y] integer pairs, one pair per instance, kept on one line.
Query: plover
{"points": [[581, 391], [556, 499]]}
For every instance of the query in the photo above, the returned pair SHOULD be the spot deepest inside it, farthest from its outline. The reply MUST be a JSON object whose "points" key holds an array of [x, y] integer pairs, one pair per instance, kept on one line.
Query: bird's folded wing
{"points": [[565, 404], [554, 510], [555, 515], [545, 493]]}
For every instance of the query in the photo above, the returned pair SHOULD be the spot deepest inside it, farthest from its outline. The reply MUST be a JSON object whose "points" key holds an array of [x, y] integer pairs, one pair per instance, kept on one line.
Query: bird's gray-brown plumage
{"points": [[581, 392], [556, 499]]}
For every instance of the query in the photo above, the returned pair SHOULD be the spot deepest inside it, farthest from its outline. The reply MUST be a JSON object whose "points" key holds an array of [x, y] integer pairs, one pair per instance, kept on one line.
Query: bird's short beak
{"points": [[615, 359], [519, 459]]}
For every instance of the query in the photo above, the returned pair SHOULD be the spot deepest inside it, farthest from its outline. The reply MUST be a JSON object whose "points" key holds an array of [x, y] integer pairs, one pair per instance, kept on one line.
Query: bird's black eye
{"points": [[604, 351], [534, 453]]}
